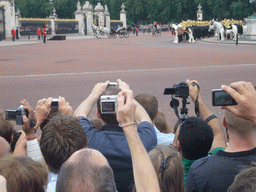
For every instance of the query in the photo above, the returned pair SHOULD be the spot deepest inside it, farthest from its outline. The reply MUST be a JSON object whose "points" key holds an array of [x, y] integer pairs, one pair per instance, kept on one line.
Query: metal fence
{"points": [[30, 26], [66, 26]]}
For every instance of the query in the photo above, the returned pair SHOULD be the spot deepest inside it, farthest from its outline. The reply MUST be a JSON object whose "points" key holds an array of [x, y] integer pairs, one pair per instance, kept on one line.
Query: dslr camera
{"points": [[108, 104], [180, 89], [16, 115]]}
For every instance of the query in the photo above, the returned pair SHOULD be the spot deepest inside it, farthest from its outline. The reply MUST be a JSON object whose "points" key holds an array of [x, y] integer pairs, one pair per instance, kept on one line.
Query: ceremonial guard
{"points": [[13, 34], [38, 33], [44, 34]]}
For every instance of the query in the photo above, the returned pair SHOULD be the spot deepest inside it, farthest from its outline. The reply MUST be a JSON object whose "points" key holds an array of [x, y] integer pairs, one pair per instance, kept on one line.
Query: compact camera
{"points": [[112, 84], [108, 104], [222, 98], [180, 89], [16, 115], [55, 103]]}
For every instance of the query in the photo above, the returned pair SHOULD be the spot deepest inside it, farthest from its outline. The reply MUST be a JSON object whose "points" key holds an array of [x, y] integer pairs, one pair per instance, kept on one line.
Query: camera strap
{"points": [[196, 101]]}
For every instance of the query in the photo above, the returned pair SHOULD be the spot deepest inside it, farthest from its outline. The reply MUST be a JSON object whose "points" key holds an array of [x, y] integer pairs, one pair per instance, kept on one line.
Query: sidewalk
{"points": [[241, 40], [34, 39]]}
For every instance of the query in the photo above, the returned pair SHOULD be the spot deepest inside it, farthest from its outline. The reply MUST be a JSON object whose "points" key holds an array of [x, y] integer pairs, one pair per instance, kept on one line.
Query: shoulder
{"points": [[147, 135]]}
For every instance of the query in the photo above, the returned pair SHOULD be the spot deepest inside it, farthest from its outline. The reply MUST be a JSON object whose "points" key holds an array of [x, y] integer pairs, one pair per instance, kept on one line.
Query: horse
{"points": [[218, 27], [100, 33], [155, 31], [179, 32], [232, 32]]}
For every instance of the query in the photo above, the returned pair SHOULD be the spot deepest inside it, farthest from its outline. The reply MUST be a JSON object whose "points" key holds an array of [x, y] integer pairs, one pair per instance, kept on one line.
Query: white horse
{"points": [[218, 27], [177, 29], [155, 31], [98, 33], [233, 32]]}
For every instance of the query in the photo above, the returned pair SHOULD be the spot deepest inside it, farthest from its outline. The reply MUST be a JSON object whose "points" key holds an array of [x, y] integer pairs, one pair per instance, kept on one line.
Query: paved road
{"points": [[71, 68]]}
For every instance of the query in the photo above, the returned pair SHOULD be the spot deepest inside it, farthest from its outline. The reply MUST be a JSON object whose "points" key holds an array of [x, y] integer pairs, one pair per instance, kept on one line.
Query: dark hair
{"points": [[149, 103], [6, 128], [108, 118], [53, 112], [83, 173], [61, 137], [23, 174], [195, 138], [245, 181]]}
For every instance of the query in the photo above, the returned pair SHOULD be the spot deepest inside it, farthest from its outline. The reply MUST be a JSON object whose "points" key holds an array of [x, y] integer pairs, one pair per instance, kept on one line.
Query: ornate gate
{"points": [[2, 23]]}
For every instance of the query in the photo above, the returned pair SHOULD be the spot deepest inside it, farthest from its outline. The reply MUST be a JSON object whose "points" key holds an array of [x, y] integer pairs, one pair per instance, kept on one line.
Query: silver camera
{"points": [[108, 104]]}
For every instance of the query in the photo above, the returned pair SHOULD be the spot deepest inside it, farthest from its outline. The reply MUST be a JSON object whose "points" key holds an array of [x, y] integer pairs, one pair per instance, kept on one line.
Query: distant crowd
{"points": [[130, 145]]}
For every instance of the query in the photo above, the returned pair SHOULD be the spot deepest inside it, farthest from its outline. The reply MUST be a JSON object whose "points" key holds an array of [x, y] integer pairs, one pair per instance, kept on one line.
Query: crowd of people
{"points": [[129, 147]]}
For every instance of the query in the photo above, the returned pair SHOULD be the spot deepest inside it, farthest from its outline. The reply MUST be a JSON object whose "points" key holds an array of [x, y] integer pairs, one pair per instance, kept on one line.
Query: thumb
{"points": [[25, 121]]}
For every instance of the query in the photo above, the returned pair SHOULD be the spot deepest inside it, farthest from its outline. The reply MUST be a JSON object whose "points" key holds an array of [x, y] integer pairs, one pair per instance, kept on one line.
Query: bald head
{"points": [[238, 125], [5, 147], [86, 170]]}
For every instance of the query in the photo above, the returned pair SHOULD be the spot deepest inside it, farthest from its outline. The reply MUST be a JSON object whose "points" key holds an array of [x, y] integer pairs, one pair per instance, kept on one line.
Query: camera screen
{"points": [[108, 106], [221, 98], [10, 115]]}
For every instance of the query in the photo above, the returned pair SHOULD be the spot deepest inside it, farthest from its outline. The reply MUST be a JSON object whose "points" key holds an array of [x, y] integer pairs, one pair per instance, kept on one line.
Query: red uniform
{"points": [[13, 32], [38, 32], [44, 32]]}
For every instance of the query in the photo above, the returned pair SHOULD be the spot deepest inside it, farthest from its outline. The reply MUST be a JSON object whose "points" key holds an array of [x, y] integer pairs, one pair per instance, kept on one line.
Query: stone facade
{"points": [[123, 15], [9, 14], [251, 27]]}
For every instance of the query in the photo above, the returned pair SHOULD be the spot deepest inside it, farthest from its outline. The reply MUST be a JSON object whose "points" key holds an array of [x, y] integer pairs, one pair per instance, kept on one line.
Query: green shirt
{"points": [[186, 163]]}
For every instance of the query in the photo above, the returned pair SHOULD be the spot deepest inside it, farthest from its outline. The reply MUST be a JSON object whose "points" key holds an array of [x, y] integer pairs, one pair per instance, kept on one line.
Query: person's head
{"points": [[168, 166], [238, 126], [23, 174], [86, 170], [6, 129], [5, 147], [61, 137], [245, 181], [97, 123], [108, 118], [161, 123], [149, 103], [195, 138]]}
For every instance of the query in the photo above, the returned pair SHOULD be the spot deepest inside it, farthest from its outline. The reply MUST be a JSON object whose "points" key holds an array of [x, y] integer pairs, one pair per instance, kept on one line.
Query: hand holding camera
{"points": [[64, 106], [126, 108], [245, 95], [43, 109]]}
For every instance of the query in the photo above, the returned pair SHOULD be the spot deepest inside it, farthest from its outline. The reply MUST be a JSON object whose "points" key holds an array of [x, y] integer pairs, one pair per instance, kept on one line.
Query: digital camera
{"points": [[108, 104], [55, 103], [16, 115], [222, 98], [180, 89]]}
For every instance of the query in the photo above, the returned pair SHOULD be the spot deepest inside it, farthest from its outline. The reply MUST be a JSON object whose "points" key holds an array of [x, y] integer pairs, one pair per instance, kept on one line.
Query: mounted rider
{"points": [[100, 28], [155, 24]]}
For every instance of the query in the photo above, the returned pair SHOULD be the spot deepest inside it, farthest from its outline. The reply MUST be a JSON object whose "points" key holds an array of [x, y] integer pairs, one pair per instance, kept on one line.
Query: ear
{"points": [[224, 122], [157, 113], [179, 147], [11, 140], [98, 113]]}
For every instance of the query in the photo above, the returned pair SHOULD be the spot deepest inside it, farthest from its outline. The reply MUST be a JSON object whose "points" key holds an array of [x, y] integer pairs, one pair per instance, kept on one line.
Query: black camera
{"points": [[180, 89], [222, 98], [55, 103], [16, 115]]}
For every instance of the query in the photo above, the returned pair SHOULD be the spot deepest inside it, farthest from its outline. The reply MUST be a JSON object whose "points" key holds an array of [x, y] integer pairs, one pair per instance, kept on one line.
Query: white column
{"points": [[9, 14], [123, 15], [79, 16]]}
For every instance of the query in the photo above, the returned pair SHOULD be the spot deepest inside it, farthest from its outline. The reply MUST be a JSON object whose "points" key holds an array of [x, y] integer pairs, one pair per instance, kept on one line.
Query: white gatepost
{"points": [[9, 15], [199, 13], [107, 15], [88, 11], [79, 16], [17, 22], [99, 10], [53, 17], [123, 15]]}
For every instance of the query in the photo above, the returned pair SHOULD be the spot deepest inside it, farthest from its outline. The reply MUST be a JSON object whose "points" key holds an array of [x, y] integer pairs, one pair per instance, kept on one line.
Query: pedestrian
{"points": [[39, 33], [17, 33], [13, 34], [137, 30], [44, 34]]}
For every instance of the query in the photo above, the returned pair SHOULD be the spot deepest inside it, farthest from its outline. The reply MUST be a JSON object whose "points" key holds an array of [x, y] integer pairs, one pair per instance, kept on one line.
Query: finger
{"points": [[120, 100], [129, 97], [239, 86], [48, 102], [25, 121], [61, 101], [234, 94]]}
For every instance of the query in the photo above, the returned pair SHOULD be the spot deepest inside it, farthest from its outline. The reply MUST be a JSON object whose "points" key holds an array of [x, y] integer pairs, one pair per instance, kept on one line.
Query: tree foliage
{"points": [[144, 11]]}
